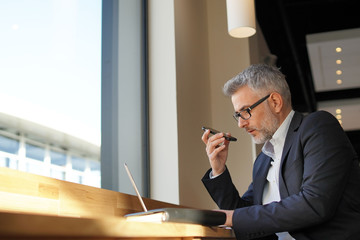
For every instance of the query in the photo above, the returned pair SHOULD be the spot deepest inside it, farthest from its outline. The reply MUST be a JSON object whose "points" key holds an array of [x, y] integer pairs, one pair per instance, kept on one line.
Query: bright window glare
{"points": [[50, 57]]}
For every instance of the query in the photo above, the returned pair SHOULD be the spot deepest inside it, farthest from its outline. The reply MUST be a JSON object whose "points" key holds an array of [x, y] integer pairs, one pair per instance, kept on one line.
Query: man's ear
{"points": [[276, 102]]}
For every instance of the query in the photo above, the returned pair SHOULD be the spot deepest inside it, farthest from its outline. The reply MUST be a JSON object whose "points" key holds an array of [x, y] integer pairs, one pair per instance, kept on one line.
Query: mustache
{"points": [[249, 129]]}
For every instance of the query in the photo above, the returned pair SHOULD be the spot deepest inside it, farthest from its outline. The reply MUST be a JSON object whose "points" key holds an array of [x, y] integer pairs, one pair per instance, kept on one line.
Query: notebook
{"points": [[179, 215]]}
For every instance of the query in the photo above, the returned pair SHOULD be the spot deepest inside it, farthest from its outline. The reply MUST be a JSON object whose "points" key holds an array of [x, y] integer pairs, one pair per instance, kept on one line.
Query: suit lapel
{"points": [[290, 136]]}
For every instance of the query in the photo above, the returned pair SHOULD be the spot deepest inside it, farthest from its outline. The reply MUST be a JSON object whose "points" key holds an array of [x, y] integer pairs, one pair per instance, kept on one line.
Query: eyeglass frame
{"points": [[248, 109]]}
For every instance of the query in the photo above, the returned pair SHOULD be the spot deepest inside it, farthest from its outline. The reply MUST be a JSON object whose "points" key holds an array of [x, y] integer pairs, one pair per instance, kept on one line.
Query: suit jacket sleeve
{"points": [[224, 193]]}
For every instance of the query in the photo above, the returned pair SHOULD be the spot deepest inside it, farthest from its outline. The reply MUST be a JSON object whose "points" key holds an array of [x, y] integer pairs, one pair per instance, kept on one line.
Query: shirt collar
{"points": [[275, 145]]}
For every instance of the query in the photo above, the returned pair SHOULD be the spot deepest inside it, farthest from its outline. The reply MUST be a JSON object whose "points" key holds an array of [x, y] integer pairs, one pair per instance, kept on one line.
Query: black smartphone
{"points": [[213, 131]]}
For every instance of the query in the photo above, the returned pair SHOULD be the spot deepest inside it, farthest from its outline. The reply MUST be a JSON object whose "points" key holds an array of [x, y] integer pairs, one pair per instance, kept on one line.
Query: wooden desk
{"points": [[35, 226], [38, 207]]}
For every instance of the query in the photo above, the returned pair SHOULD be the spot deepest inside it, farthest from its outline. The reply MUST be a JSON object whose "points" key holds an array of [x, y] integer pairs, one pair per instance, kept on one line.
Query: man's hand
{"points": [[217, 150]]}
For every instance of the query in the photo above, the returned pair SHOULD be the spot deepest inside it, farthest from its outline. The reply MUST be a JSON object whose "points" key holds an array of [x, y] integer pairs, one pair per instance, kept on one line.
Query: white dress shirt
{"points": [[273, 148]]}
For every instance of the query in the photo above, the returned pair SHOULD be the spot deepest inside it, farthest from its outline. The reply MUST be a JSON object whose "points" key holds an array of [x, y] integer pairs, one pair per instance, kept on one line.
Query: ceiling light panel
{"points": [[335, 59], [347, 111]]}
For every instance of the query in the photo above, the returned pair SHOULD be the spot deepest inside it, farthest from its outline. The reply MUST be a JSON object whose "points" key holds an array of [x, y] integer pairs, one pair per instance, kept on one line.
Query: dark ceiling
{"points": [[285, 24]]}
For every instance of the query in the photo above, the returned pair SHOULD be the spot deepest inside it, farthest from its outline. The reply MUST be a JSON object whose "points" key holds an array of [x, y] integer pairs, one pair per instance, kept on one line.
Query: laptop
{"points": [[179, 215]]}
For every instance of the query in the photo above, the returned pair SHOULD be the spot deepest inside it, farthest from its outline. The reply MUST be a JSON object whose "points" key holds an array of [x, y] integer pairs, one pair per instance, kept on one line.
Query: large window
{"points": [[50, 73], [21, 153], [68, 67]]}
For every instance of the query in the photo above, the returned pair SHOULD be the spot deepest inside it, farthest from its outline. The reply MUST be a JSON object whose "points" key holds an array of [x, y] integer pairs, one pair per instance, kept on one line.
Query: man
{"points": [[306, 180]]}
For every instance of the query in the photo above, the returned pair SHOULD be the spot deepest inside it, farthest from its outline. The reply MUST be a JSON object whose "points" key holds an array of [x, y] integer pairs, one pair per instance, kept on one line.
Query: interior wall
{"points": [[228, 57], [204, 57], [193, 99]]}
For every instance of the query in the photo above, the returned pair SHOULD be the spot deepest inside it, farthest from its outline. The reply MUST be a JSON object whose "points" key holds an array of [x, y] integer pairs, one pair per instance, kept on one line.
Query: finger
{"points": [[216, 139], [218, 149], [206, 139], [214, 143], [227, 143], [214, 151], [205, 136]]}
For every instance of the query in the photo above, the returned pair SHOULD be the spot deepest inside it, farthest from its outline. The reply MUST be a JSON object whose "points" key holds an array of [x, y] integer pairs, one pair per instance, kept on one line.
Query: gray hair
{"points": [[261, 78]]}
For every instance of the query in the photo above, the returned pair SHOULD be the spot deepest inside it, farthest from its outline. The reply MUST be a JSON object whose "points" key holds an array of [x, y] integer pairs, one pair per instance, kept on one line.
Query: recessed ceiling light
{"points": [[339, 81], [338, 61], [338, 72], [338, 111], [338, 116], [338, 49]]}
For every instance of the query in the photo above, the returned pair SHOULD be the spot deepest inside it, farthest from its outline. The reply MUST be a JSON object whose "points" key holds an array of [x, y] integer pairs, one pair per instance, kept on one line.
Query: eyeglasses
{"points": [[245, 113]]}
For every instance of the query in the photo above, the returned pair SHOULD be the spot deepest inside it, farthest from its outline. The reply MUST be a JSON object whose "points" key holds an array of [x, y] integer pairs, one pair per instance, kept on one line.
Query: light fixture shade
{"points": [[241, 18]]}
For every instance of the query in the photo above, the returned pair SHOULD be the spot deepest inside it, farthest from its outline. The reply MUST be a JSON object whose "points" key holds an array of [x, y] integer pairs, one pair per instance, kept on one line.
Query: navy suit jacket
{"points": [[319, 185]]}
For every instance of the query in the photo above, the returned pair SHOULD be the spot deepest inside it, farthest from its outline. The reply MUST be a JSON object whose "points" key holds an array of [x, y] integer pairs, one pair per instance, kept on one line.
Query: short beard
{"points": [[268, 127]]}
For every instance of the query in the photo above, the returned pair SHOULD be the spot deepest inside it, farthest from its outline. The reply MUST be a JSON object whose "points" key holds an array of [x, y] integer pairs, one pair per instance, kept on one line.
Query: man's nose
{"points": [[242, 123]]}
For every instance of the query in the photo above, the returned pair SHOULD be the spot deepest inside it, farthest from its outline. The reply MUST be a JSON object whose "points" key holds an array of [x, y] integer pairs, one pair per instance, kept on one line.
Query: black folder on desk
{"points": [[179, 215]]}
